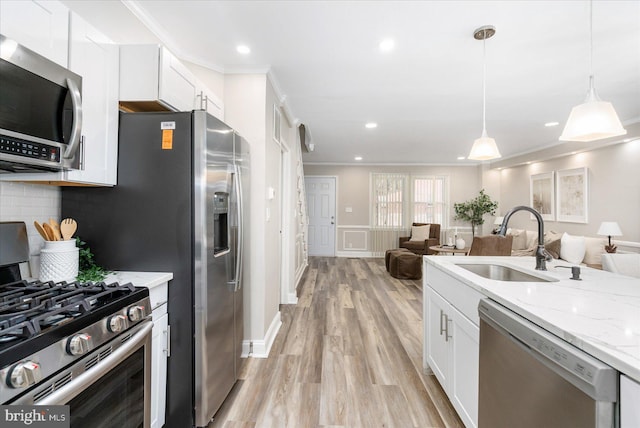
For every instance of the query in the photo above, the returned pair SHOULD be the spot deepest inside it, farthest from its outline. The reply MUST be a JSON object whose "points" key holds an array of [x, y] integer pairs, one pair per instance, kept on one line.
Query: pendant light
{"points": [[484, 148], [594, 119]]}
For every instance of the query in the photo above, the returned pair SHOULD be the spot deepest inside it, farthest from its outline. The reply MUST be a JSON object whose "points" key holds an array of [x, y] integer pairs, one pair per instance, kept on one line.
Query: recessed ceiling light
{"points": [[243, 49], [461, 158], [358, 158], [387, 45], [550, 124], [371, 125]]}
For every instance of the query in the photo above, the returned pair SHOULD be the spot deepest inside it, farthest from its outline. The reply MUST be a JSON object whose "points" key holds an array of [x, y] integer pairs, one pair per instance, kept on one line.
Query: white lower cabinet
{"points": [[629, 402], [159, 354], [452, 348]]}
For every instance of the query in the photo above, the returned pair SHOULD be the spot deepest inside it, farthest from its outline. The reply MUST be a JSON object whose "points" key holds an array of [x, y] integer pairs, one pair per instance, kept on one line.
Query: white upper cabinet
{"points": [[151, 78], [95, 58], [42, 26], [206, 100]]}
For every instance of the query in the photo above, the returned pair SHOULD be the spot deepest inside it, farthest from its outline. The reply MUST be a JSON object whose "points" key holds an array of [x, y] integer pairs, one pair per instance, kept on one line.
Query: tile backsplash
{"points": [[29, 202]]}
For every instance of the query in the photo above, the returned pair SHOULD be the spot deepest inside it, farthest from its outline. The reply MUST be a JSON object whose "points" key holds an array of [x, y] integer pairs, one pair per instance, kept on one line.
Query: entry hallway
{"points": [[349, 354]]}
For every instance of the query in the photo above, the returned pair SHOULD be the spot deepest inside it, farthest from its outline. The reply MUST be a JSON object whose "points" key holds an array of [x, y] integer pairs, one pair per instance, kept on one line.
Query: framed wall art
{"points": [[542, 197], [573, 195]]}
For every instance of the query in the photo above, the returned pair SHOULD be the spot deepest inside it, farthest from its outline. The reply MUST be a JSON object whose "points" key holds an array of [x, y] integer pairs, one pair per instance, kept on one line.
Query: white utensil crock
{"points": [[59, 261]]}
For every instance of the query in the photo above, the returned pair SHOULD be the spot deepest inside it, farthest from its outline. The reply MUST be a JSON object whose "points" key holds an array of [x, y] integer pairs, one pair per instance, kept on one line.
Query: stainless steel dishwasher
{"points": [[531, 378]]}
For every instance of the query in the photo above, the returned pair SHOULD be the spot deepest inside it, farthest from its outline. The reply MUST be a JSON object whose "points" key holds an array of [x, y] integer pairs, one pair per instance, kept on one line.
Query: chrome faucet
{"points": [[542, 256]]}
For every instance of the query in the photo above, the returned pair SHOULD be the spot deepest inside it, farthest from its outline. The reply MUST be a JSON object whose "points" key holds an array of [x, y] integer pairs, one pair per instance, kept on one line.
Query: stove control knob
{"points": [[79, 344], [24, 374], [117, 323], [136, 313]]}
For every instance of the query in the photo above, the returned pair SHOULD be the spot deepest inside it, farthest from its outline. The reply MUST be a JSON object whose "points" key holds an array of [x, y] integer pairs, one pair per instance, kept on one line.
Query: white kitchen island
{"points": [[599, 314]]}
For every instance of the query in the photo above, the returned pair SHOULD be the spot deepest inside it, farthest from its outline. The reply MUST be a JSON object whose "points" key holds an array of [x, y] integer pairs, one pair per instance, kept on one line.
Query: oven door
{"points": [[108, 388]]}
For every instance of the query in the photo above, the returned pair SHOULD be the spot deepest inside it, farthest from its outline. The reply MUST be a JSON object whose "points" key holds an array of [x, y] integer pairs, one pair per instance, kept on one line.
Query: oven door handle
{"points": [[79, 384]]}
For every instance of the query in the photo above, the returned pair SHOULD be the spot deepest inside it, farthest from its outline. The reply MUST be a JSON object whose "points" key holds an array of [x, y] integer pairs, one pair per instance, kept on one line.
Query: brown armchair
{"points": [[422, 247]]}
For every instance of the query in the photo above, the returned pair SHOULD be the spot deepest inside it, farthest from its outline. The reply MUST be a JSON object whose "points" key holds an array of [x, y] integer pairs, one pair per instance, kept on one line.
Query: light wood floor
{"points": [[349, 354]]}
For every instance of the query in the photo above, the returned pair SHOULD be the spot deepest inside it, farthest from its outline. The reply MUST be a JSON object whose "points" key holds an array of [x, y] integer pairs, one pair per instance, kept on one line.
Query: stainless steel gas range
{"points": [[85, 345]]}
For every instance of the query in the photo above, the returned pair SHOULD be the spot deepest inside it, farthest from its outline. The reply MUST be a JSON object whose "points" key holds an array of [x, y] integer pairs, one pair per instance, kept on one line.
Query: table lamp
{"points": [[497, 222], [609, 228]]}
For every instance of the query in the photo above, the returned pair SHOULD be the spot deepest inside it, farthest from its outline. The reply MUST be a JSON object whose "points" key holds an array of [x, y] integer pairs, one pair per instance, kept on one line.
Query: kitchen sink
{"points": [[503, 273]]}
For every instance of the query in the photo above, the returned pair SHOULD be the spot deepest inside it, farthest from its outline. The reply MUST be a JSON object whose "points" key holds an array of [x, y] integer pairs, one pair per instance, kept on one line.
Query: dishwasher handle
{"points": [[585, 372]]}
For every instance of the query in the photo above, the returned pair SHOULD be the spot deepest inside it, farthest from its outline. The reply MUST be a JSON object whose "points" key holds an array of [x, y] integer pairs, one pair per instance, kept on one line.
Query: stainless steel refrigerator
{"points": [[180, 206]]}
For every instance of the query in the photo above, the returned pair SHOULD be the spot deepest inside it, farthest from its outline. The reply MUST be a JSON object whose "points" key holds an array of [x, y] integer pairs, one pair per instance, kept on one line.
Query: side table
{"points": [[440, 250]]}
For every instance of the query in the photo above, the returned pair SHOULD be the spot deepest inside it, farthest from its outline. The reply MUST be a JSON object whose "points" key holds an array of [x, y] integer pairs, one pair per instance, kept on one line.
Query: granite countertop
{"points": [[599, 314]]}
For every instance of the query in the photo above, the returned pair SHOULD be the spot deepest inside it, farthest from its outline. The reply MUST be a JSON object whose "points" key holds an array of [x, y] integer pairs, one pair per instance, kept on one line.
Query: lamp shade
{"points": [[609, 228], [484, 148], [498, 220]]}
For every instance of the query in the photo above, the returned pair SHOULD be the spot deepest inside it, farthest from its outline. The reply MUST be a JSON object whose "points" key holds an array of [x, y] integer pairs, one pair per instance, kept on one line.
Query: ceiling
{"points": [[425, 94]]}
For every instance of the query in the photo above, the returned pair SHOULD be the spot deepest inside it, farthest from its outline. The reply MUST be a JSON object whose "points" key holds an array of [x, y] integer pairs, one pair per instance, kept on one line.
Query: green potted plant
{"points": [[474, 210], [88, 269]]}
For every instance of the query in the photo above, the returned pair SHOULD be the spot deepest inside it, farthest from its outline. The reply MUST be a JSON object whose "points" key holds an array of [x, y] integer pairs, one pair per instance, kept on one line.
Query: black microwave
{"points": [[40, 112]]}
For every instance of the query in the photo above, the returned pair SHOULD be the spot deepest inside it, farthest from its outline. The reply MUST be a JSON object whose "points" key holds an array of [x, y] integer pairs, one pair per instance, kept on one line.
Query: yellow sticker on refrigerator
{"points": [[167, 139], [167, 134]]}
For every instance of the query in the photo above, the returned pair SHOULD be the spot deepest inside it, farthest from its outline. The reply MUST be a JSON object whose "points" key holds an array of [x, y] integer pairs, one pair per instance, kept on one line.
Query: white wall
{"points": [[353, 192], [614, 189], [29, 203]]}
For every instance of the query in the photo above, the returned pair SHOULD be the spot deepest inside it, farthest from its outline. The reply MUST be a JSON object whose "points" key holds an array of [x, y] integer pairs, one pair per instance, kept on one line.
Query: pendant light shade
{"points": [[594, 119], [484, 148]]}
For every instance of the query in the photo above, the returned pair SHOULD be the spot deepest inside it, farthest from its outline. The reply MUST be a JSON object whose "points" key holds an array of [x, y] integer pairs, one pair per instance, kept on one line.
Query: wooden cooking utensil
{"points": [[68, 228], [41, 230], [56, 229], [49, 231]]}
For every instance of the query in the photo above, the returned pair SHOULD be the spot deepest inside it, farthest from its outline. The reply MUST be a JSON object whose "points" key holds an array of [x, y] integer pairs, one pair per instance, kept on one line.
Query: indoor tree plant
{"points": [[474, 209]]}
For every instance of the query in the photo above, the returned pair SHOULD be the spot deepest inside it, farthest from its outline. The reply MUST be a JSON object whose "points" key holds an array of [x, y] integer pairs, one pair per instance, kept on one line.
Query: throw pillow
{"points": [[572, 248], [594, 250], [553, 248], [519, 239], [420, 233]]}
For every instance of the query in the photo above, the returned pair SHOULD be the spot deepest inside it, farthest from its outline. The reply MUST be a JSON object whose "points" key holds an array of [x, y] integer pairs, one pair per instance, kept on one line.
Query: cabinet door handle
{"points": [[168, 343], [442, 314], [446, 329]]}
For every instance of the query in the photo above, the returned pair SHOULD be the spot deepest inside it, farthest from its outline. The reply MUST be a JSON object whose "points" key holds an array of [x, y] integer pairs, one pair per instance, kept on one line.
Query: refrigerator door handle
{"points": [[239, 212]]}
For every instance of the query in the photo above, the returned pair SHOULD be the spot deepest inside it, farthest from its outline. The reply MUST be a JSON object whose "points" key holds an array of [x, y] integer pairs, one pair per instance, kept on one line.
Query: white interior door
{"points": [[321, 208]]}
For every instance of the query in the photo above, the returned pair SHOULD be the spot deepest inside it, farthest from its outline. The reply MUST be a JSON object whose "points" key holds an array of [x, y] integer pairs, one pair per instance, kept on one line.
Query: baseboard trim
{"points": [[292, 299], [261, 348], [359, 254], [300, 272]]}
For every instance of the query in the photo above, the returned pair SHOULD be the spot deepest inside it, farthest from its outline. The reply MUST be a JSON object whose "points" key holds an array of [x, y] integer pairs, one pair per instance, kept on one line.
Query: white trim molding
{"points": [[261, 348], [358, 254]]}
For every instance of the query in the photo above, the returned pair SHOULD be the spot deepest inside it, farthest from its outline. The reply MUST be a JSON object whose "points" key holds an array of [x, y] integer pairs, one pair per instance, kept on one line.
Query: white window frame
{"points": [[444, 222]]}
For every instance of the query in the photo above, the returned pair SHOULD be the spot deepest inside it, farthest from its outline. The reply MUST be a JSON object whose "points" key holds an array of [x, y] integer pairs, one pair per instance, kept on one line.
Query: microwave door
{"points": [[40, 112]]}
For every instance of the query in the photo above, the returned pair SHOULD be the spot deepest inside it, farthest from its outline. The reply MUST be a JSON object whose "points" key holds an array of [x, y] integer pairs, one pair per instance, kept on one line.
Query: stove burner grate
{"points": [[29, 308]]}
